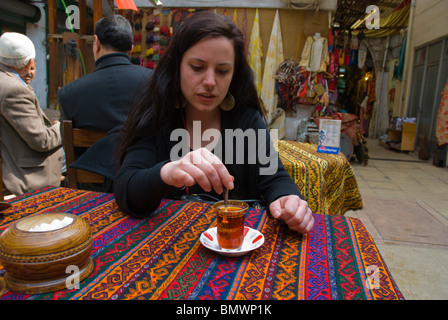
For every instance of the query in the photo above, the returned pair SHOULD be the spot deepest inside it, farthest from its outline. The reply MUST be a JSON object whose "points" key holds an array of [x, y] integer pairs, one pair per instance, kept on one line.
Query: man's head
{"points": [[112, 34], [16, 50], [29, 73]]}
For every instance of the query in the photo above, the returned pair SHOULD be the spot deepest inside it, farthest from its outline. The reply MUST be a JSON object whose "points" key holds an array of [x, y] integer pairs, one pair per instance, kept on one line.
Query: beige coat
{"points": [[30, 144]]}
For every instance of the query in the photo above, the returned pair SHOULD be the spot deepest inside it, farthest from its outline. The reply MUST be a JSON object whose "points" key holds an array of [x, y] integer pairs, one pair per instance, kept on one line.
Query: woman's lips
{"points": [[206, 96]]}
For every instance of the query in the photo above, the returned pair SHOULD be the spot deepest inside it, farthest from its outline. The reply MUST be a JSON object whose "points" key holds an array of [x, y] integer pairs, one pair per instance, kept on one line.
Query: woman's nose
{"points": [[209, 79]]}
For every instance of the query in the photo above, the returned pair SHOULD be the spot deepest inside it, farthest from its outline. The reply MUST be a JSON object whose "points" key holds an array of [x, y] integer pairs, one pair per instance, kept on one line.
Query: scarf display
{"points": [[274, 58], [255, 52]]}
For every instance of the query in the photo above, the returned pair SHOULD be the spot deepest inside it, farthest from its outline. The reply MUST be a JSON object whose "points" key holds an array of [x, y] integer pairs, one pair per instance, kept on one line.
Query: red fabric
{"points": [[126, 4], [402, 5], [442, 118]]}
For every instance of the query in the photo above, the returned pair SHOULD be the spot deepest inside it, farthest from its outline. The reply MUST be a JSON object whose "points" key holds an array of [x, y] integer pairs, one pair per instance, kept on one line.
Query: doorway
{"points": [[430, 73]]}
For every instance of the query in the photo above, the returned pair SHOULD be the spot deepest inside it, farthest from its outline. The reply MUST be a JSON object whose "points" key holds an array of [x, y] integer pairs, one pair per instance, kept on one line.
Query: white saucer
{"points": [[253, 239]]}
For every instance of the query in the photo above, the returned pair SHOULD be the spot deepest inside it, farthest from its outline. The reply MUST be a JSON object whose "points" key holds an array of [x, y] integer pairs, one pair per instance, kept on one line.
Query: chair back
{"points": [[79, 138], [3, 191], [2, 196]]}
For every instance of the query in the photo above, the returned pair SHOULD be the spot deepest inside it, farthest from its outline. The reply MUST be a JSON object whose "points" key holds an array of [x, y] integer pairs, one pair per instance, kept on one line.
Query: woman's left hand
{"points": [[294, 211]]}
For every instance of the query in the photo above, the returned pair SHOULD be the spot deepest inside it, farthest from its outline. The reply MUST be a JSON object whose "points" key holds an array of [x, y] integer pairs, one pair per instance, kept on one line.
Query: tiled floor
{"points": [[406, 212]]}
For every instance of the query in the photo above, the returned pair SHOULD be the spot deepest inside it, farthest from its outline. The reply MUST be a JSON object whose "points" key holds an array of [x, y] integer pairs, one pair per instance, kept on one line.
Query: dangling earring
{"points": [[228, 103]]}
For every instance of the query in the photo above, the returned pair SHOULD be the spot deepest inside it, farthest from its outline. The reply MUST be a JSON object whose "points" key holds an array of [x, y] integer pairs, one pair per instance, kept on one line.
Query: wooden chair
{"points": [[3, 191], [79, 138], [2, 195]]}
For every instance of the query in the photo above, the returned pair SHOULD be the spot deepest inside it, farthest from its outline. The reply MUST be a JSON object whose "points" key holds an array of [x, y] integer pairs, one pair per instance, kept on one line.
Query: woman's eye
{"points": [[223, 71], [196, 67]]}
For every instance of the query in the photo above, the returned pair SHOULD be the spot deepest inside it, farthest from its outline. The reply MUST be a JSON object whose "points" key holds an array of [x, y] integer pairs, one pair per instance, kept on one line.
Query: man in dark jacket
{"points": [[100, 100]]}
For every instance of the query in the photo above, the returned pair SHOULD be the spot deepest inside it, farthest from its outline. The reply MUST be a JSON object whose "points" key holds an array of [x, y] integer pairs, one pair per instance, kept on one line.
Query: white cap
{"points": [[15, 45]]}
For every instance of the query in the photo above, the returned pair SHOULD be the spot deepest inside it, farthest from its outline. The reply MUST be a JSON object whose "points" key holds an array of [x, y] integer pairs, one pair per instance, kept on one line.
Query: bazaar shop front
{"points": [[300, 63], [306, 66]]}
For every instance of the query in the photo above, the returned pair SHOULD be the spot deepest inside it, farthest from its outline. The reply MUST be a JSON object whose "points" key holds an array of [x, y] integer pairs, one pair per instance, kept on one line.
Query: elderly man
{"points": [[30, 144], [29, 76]]}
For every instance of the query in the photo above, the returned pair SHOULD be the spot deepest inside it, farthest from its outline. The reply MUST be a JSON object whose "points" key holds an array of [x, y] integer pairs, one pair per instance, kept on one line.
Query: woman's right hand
{"points": [[199, 166]]}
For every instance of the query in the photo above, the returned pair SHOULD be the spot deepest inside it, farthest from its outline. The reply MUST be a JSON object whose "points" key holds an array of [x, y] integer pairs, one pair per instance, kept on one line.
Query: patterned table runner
{"points": [[325, 180], [161, 257]]}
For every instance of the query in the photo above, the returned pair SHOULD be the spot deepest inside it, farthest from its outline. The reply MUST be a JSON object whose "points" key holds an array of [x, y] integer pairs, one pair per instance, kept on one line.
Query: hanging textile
{"points": [[315, 56], [399, 74], [245, 31], [274, 58], [255, 52], [354, 45], [126, 4], [392, 84], [332, 66], [399, 18], [442, 118], [362, 55]]}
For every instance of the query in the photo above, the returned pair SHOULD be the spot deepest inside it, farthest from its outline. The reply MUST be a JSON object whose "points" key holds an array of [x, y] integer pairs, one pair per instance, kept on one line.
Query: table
{"points": [[326, 181], [161, 257]]}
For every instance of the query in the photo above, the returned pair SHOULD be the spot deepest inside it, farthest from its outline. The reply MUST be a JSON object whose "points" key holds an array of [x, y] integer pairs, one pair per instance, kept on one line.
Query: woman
{"points": [[203, 85]]}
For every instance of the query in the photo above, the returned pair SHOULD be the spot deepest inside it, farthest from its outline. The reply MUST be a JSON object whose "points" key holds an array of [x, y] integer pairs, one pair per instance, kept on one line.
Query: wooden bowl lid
{"points": [[17, 240]]}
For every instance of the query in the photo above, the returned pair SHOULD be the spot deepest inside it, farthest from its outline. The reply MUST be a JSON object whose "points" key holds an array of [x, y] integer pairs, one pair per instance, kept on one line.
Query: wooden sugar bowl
{"points": [[41, 259]]}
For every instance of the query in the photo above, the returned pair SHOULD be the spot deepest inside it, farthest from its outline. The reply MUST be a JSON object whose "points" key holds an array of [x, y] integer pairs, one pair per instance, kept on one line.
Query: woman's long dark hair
{"points": [[156, 105]]}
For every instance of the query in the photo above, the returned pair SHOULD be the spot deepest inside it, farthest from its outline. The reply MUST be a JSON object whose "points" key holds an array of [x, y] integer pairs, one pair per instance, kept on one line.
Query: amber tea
{"points": [[230, 228]]}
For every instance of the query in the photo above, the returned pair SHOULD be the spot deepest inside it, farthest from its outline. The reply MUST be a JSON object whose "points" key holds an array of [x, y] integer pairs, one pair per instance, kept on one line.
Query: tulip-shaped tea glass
{"points": [[230, 227]]}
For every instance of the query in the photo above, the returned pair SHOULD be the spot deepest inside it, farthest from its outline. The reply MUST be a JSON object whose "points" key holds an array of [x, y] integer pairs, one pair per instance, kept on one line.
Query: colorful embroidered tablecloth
{"points": [[161, 257], [326, 181]]}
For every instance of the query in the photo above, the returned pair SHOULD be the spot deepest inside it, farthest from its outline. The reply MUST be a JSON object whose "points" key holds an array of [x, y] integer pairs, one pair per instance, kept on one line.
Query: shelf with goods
{"points": [[152, 32]]}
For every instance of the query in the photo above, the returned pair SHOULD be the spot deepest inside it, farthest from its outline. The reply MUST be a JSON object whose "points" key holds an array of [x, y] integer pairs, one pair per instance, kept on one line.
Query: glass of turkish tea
{"points": [[230, 223]]}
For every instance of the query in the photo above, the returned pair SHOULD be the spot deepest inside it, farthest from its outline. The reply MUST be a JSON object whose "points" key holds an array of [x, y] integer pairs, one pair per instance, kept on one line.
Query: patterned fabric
{"points": [[325, 180], [161, 257], [274, 58], [442, 118], [255, 52]]}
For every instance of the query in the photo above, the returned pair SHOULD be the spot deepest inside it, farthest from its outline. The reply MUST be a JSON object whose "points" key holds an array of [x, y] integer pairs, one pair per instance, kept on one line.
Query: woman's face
{"points": [[206, 71]]}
